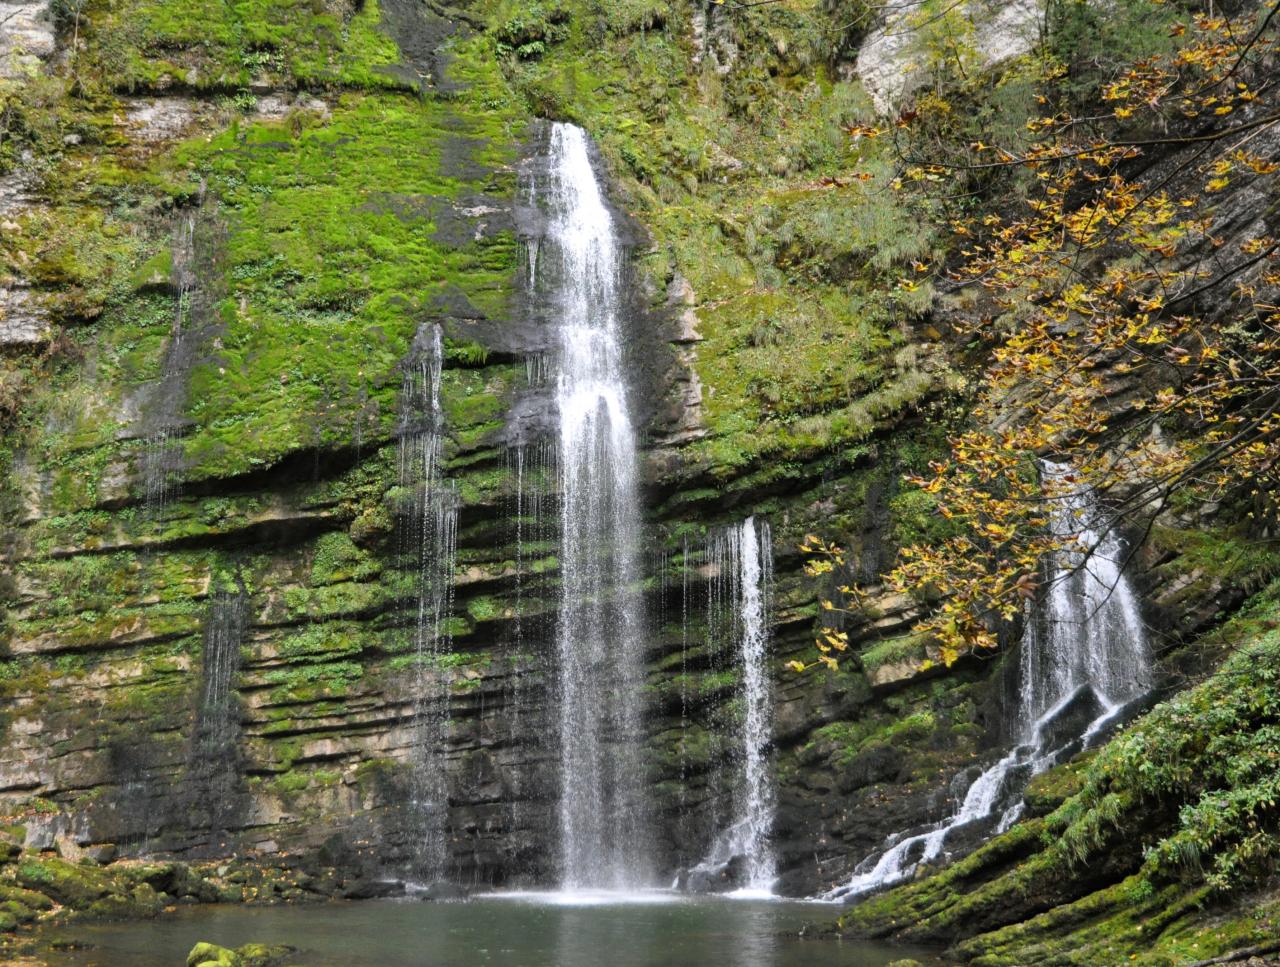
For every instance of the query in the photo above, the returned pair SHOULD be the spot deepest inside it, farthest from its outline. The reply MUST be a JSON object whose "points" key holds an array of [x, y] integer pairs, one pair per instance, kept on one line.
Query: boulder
{"points": [[441, 890], [1069, 720], [263, 955], [211, 955], [250, 955], [102, 853], [714, 879], [68, 883], [139, 903]]}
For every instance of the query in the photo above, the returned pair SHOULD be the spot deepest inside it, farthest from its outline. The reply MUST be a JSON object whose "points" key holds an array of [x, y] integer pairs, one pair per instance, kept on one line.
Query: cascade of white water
{"points": [[428, 529], [743, 563], [603, 809], [1083, 657]]}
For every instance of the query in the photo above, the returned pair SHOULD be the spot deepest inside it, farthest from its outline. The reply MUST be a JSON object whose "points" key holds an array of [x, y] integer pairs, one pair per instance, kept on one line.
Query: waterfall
{"points": [[742, 568], [162, 456], [213, 771], [1083, 660], [603, 809], [427, 523]]}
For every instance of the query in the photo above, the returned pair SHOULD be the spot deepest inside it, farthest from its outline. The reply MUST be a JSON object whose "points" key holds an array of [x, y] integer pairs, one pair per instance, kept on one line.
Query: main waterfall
{"points": [[1083, 659], [599, 636]]}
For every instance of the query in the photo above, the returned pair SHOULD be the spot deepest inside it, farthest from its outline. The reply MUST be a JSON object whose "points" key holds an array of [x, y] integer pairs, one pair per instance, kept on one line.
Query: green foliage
{"points": [[214, 45], [530, 28], [338, 559], [1097, 43]]}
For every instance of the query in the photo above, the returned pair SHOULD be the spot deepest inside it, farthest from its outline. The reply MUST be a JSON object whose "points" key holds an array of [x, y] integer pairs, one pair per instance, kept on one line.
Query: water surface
{"points": [[510, 930]]}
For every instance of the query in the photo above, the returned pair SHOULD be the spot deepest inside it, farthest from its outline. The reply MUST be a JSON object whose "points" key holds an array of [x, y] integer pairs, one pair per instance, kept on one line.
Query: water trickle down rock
{"points": [[1083, 663], [212, 783], [740, 561], [196, 270], [162, 418], [427, 538], [604, 812]]}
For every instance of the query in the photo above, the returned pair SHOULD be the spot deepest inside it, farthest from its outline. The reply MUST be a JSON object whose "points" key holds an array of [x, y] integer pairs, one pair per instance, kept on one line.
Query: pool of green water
{"points": [[504, 930]]}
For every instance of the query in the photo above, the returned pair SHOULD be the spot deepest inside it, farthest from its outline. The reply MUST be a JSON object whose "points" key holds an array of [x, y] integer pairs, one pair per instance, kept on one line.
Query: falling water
{"points": [[1084, 658], [603, 809], [213, 772], [428, 531], [742, 569], [161, 458]]}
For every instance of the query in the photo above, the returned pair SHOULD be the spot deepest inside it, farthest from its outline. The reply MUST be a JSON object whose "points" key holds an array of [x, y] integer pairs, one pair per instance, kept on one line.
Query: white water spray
{"points": [[603, 808], [1084, 657], [743, 562], [428, 533]]}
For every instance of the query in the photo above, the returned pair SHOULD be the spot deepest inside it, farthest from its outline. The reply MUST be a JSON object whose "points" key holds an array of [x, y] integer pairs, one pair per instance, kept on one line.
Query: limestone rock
{"points": [[26, 36], [891, 61]]}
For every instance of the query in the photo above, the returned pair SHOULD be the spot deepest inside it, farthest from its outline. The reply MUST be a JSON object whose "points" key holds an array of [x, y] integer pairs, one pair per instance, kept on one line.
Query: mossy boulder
{"points": [[211, 955], [139, 903], [175, 879], [27, 898], [263, 955], [72, 885], [250, 955]]}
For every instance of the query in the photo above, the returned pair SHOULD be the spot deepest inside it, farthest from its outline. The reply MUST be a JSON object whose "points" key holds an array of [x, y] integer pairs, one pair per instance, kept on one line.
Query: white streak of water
{"points": [[603, 808], [1084, 647], [743, 562]]}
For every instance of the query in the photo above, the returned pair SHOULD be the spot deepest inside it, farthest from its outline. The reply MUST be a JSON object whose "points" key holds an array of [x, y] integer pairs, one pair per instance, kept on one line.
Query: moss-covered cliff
{"points": [[224, 226]]}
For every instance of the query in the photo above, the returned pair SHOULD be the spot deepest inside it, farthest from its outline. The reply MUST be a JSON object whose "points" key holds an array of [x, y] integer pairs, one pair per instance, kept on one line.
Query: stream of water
{"points": [[603, 811], [741, 561], [427, 525], [1083, 658]]}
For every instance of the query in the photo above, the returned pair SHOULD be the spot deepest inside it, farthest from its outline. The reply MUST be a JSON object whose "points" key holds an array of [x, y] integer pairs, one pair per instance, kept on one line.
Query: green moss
{"points": [[207, 44], [338, 559], [1169, 819], [893, 651]]}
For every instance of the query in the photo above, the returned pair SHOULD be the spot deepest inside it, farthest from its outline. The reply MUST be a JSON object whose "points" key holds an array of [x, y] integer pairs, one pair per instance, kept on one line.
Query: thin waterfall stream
{"points": [[427, 521], [741, 561], [1084, 659], [603, 807]]}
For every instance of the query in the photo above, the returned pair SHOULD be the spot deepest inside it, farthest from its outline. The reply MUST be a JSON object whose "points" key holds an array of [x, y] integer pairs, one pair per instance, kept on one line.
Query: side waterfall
{"points": [[427, 525], [604, 815], [742, 561], [1083, 659]]}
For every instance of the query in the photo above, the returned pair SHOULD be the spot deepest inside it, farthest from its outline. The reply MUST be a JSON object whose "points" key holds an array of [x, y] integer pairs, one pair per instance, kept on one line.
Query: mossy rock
{"points": [[211, 955], [250, 955], [74, 886], [26, 898], [140, 903], [263, 955], [1049, 790]]}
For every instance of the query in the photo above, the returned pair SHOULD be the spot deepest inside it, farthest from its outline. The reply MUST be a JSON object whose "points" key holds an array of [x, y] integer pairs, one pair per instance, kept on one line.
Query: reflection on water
{"points": [[506, 930]]}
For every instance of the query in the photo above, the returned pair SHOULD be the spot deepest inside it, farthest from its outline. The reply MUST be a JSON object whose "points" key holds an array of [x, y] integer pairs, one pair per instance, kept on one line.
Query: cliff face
{"points": [[229, 237]]}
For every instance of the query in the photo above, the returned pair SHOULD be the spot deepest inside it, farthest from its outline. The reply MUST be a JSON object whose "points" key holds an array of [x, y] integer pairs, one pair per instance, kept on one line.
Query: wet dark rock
{"points": [[880, 763], [102, 854], [441, 890], [721, 879], [1070, 721], [369, 888]]}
